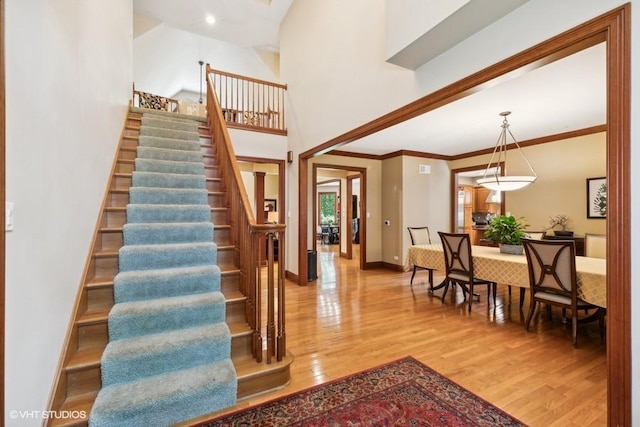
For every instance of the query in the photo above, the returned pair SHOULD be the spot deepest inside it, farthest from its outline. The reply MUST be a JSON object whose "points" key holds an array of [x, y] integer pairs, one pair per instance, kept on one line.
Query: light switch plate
{"points": [[8, 216]]}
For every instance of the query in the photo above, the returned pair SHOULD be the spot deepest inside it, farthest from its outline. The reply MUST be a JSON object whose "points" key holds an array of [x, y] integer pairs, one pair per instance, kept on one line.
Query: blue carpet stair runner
{"points": [[168, 356]]}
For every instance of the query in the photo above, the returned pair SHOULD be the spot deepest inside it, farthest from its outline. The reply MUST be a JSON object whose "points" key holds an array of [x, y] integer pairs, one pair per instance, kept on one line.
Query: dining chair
{"points": [[536, 235], [458, 263], [595, 245], [420, 236], [552, 281]]}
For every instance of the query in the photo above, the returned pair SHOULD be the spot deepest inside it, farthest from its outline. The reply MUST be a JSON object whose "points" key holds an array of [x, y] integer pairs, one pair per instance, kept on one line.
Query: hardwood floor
{"points": [[350, 320]]}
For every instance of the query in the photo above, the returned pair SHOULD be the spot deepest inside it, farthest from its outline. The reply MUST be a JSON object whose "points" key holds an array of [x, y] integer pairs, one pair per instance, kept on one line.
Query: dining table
{"points": [[490, 264]]}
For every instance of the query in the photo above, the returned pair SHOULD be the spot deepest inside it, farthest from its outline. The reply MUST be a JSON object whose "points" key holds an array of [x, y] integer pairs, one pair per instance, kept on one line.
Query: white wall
{"points": [[426, 201], [332, 58], [68, 82], [152, 71]]}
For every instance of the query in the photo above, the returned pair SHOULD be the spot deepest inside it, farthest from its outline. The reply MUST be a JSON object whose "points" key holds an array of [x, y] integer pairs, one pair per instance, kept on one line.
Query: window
{"points": [[327, 208]]}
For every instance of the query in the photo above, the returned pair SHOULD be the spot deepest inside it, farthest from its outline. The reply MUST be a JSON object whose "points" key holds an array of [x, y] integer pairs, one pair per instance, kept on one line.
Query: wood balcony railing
{"points": [[248, 238], [249, 103]]}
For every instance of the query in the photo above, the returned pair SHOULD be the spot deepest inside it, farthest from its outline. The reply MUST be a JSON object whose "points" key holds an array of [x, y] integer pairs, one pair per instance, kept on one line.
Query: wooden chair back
{"points": [[595, 245], [536, 235], [419, 235], [457, 256], [552, 268]]}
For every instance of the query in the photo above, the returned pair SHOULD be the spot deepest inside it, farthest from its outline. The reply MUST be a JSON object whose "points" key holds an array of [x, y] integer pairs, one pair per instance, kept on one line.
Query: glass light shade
{"points": [[506, 183], [496, 182], [494, 197]]}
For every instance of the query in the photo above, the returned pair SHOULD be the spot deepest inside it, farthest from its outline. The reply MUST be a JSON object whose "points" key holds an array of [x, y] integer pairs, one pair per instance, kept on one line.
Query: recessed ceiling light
{"points": [[211, 20]]}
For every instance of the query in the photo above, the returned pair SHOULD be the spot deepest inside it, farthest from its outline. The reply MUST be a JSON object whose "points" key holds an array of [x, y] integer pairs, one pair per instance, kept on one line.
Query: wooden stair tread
{"points": [[234, 296], [93, 317], [247, 367], [99, 282], [106, 254], [84, 359], [239, 329], [111, 229], [76, 404]]}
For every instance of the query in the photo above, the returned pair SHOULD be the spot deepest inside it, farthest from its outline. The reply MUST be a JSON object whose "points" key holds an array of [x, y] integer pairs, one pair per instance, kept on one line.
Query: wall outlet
{"points": [[396, 257]]}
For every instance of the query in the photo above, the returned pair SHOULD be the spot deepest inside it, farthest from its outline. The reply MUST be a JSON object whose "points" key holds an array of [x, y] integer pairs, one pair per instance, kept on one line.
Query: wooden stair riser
{"points": [[128, 155], [226, 256], [93, 335], [100, 299], [236, 310], [241, 344], [86, 380], [248, 386], [106, 266], [114, 218], [123, 180], [219, 215], [230, 282], [110, 240], [119, 197], [211, 171], [117, 217], [125, 166], [222, 235]]}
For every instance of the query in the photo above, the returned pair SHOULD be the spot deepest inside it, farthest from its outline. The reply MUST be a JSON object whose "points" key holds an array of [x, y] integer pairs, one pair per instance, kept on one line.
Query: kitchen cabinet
{"points": [[480, 200], [466, 199]]}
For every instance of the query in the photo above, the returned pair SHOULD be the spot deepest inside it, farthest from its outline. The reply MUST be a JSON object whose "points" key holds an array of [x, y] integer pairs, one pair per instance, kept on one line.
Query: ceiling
{"points": [[565, 95], [248, 23], [562, 96]]}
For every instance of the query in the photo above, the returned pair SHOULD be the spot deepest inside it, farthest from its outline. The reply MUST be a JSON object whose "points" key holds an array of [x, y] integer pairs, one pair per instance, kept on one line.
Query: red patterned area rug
{"points": [[401, 393]]}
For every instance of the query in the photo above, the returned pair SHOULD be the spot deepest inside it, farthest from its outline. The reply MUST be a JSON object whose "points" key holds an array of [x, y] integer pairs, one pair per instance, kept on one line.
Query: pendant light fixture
{"points": [[492, 178]]}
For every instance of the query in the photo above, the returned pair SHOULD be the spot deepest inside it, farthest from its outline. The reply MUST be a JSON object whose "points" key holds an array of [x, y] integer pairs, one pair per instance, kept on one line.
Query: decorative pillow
{"points": [[154, 102]]}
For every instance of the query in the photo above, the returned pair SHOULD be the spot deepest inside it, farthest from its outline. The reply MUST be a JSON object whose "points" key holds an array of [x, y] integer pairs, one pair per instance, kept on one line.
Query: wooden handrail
{"points": [[249, 103], [249, 79], [248, 238]]}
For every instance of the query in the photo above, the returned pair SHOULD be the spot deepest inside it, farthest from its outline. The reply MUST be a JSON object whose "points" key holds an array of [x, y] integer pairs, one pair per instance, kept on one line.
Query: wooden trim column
{"points": [[258, 190], [2, 202]]}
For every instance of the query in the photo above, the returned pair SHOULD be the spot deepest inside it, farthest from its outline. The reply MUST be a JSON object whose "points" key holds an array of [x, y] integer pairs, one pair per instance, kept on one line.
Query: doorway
{"points": [[347, 235], [473, 206]]}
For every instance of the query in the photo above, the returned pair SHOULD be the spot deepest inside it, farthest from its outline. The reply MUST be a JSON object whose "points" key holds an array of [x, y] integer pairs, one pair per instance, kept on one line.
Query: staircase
{"points": [[85, 364]]}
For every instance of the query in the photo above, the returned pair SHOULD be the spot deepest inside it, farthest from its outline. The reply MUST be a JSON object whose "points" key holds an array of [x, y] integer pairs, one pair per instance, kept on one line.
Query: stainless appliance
{"points": [[481, 218]]}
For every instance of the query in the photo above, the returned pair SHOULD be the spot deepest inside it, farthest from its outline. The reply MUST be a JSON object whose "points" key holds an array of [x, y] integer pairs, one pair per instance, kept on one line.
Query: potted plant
{"points": [[561, 221], [508, 232]]}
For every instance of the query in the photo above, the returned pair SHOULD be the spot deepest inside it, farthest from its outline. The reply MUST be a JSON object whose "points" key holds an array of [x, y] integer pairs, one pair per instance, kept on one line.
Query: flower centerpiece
{"points": [[561, 221], [508, 232]]}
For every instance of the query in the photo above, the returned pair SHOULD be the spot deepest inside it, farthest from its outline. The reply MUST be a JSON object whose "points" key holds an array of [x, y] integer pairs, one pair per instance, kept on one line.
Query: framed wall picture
{"points": [[270, 205], [597, 197]]}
